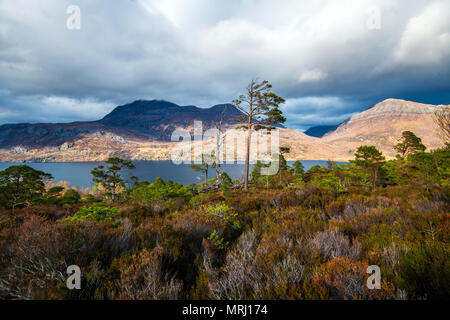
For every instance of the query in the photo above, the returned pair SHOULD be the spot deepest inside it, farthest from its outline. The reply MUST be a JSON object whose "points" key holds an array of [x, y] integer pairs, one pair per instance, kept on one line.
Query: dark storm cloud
{"points": [[325, 57]]}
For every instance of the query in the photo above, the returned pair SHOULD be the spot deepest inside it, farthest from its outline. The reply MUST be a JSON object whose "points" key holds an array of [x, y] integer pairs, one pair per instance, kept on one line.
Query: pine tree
{"points": [[371, 159], [409, 143], [110, 179], [260, 108]]}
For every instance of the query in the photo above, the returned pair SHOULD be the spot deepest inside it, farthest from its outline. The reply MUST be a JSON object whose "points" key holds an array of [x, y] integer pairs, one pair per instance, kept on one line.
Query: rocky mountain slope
{"points": [[150, 120], [156, 120], [382, 125], [141, 131]]}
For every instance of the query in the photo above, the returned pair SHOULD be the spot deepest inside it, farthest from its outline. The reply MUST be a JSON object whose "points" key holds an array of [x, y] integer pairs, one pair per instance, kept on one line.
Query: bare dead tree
{"points": [[219, 142], [442, 119]]}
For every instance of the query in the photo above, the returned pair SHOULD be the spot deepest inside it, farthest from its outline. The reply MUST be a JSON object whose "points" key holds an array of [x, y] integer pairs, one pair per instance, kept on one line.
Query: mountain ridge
{"points": [[143, 119], [382, 124], [141, 130]]}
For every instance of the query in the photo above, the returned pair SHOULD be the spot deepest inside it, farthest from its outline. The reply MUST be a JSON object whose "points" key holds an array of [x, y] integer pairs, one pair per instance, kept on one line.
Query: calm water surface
{"points": [[79, 173]]}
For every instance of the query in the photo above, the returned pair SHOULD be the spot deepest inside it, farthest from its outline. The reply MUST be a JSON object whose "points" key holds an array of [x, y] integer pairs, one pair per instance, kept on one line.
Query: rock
{"points": [[66, 146], [19, 150], [116, 138]]}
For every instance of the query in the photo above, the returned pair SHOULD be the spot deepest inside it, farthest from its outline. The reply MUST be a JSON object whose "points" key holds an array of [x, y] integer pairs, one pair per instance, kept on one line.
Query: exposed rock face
{"points": [[383, 124], [19, 150], [65, 146]]}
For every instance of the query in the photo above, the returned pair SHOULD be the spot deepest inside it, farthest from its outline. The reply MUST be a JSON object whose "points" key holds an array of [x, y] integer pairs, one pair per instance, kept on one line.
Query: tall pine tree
{"points": [[260, 108]]}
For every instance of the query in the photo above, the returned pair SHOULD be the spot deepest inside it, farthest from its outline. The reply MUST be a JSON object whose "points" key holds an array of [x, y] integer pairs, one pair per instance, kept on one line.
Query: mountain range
{"points": [[142, 130], [147, 120]]}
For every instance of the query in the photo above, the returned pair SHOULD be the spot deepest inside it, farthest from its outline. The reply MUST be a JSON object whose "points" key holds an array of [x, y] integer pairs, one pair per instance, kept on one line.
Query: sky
{"points": [[328, 58]]}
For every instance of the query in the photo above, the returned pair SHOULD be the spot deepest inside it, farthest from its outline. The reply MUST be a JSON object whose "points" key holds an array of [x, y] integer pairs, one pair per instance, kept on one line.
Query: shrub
{"points": [[346, 279], [70, 197], [36, 259], [159, 192], [97, 212], [239, 277], [334, 244], [143, 278], [329, 183], [223, 212], [259, 270], [424, 271], [225, 182]]}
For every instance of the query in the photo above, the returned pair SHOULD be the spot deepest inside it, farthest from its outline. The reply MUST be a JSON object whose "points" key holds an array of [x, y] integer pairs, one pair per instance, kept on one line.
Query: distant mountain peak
{"points": [[399, 103], [382, 125], [140, 107], [395, 107], [148, 120]]}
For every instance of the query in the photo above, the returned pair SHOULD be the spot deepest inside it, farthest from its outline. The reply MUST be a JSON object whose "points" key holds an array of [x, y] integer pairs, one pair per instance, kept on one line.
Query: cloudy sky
{"points": [[328, 59]]}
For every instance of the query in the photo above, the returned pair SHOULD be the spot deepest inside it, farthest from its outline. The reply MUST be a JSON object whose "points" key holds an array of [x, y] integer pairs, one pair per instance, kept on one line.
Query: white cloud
{"points": [[312, 76], [77, 108], [426, 39], [38, 108]]}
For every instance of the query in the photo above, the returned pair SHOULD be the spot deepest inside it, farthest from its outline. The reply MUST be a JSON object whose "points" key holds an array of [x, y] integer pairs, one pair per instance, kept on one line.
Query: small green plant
{"points": [[7, 221], [98, 212], [218, 241], [224, 212], [298, 181], [225, 183]]}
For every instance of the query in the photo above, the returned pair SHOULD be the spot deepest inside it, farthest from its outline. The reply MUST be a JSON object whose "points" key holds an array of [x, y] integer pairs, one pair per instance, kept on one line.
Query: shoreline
{"points": [[79, 173]]}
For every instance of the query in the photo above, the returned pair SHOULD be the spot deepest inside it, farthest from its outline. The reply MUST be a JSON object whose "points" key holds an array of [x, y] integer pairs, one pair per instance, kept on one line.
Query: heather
{"points": [[293, 235]]}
